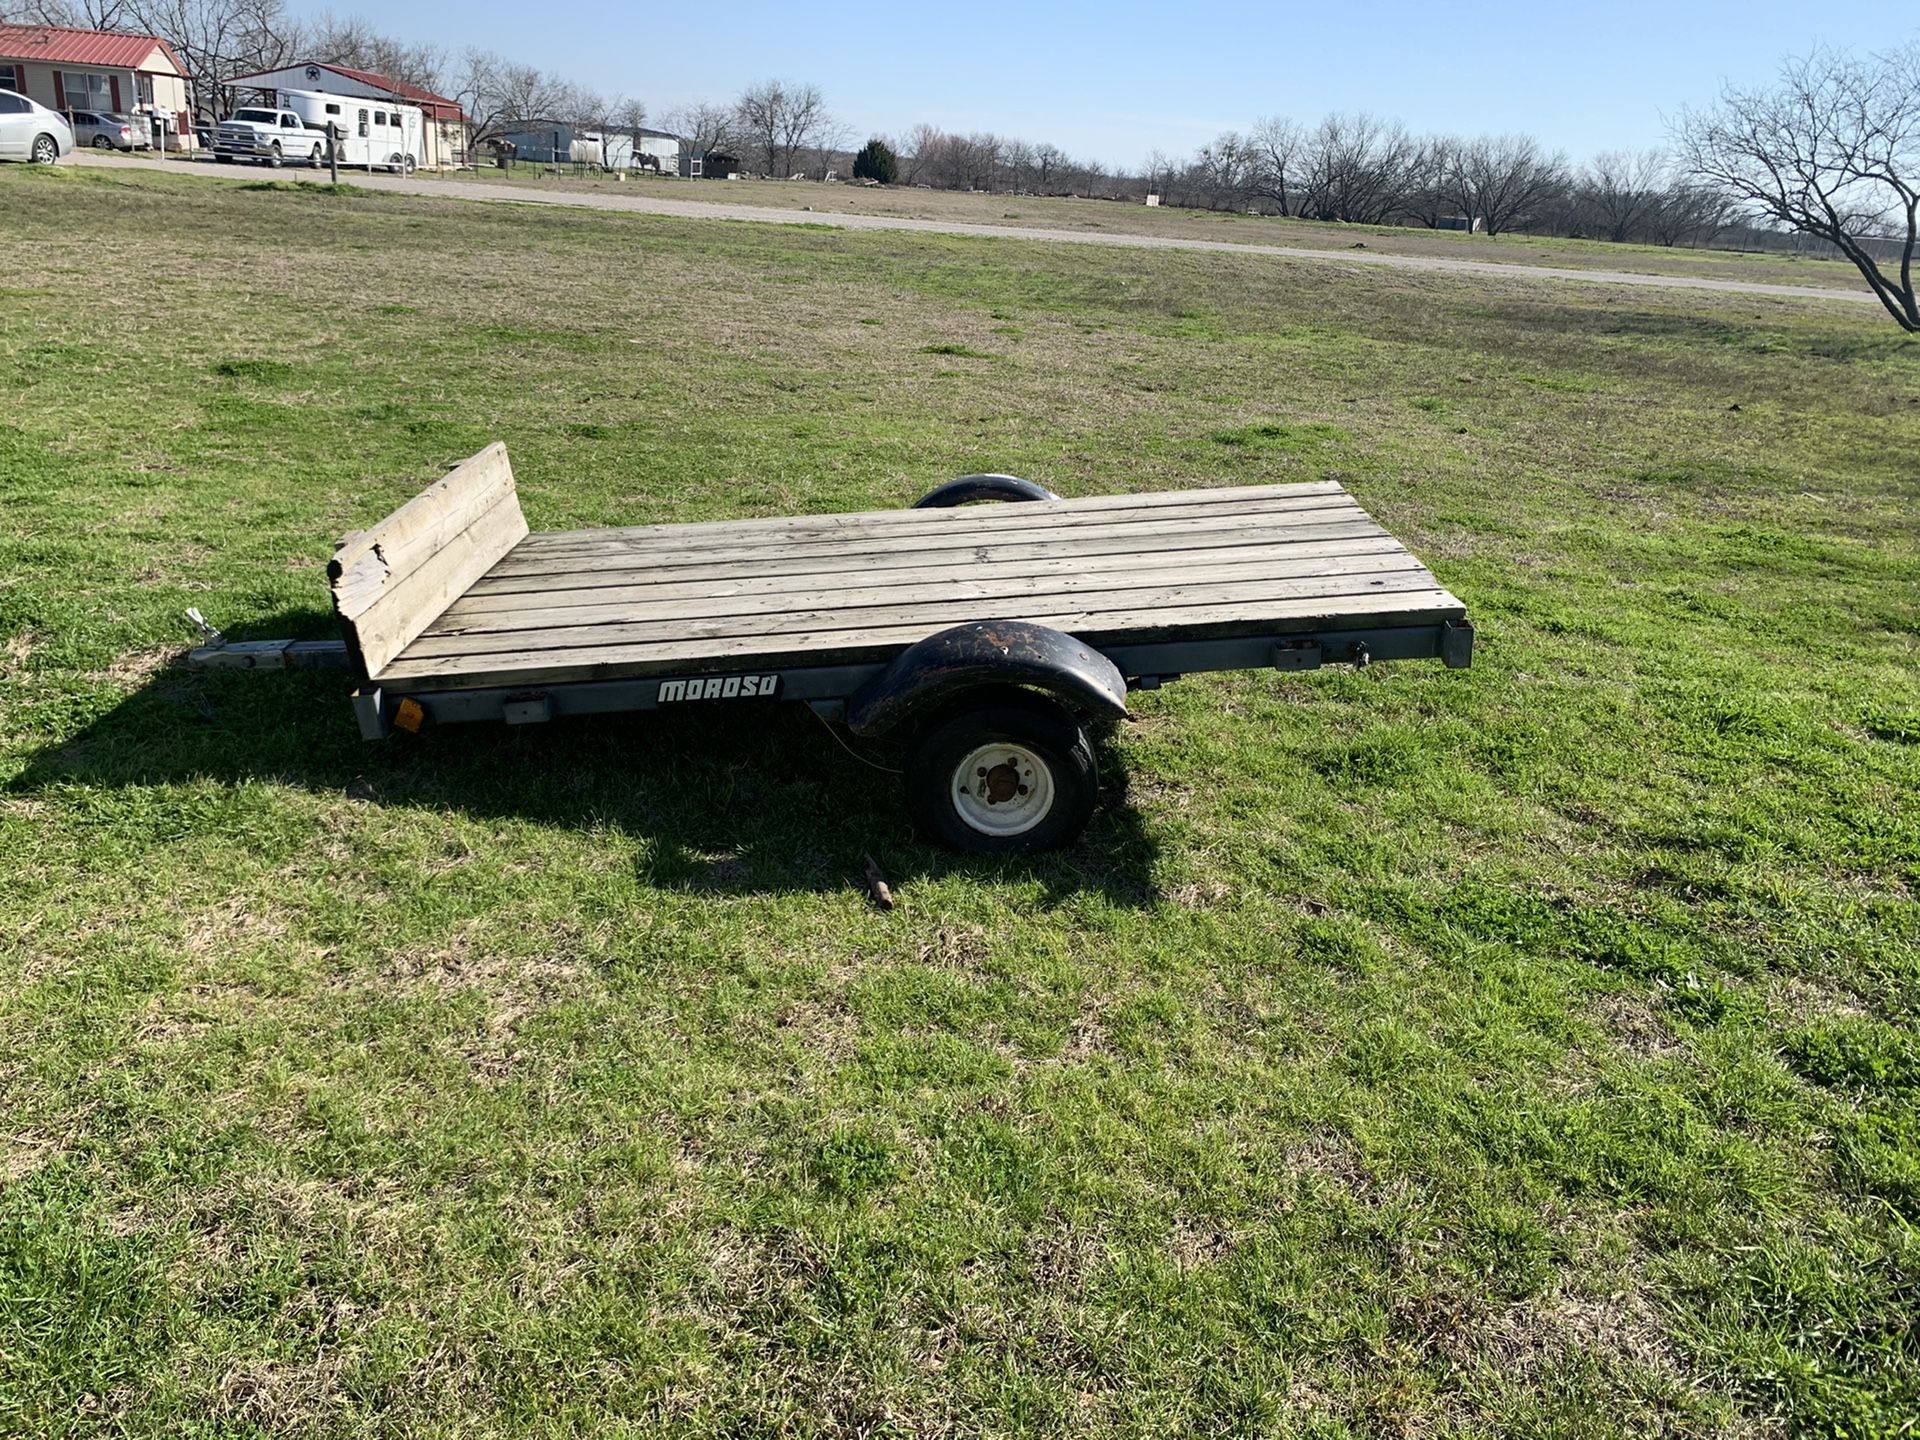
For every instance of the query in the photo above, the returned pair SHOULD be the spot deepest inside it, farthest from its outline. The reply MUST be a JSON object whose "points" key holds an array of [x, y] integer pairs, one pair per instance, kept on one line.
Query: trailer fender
{"points": [[987, 652], [969, 488]]}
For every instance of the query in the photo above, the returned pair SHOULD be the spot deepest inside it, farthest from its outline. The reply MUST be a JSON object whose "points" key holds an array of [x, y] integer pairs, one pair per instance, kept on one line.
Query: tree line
{"points": [[1354, 168]]}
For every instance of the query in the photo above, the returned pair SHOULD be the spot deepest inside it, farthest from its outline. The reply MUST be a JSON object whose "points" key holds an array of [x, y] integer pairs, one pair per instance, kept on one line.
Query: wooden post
{"points": [[333, 150]]}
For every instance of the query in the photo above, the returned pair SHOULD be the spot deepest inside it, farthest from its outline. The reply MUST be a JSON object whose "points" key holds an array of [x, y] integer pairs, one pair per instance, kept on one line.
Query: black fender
{"points": [[988, 652], [969, 488]]}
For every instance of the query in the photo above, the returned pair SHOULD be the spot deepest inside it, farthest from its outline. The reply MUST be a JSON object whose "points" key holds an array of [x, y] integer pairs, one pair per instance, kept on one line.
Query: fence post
{"points": [[333, 150]]}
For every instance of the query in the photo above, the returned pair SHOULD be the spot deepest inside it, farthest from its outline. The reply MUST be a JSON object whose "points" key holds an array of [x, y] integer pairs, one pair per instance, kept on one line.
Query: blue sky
{"points": [[1116, 80]]}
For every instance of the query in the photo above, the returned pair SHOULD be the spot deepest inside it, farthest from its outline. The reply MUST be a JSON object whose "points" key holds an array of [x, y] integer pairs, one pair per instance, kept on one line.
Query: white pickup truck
{"points": [[273, 137]]}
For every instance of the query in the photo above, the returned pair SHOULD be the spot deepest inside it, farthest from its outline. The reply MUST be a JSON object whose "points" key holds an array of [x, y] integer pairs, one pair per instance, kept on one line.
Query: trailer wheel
{"points": [[1010, 777], [406, 165], [971, 488]]}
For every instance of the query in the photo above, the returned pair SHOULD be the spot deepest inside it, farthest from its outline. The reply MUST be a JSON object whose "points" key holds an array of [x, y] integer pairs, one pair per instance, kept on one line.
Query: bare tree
{"points": [[354, 42], [1620, 190], [1225, 171], [1358, 169], [1158, 171], [219, 39], [79, 14], [1016, 159], [1502, 180], [1049, 161], [1690, 214], [803, 125], [757, 115], [1432, 196], [1832, 150], [916, 152], [495, 92], [707, 129], [1276, 146], [785, 120]]}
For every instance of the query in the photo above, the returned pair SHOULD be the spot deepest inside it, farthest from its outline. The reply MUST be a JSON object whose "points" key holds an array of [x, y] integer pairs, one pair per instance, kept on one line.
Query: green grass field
{"points": [[1527, 1050]]}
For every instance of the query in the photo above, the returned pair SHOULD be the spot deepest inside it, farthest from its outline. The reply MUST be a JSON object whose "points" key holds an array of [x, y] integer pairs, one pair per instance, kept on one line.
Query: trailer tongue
{"points": [[984, 638]]}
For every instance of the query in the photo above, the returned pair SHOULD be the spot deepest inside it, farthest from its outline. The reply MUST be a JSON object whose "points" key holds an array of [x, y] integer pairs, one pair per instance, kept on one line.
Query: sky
{"points": [[1115, 81]]}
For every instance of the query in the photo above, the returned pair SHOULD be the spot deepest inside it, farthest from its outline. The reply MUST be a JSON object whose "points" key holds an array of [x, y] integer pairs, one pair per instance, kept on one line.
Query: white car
{"points": [[32, 132]]}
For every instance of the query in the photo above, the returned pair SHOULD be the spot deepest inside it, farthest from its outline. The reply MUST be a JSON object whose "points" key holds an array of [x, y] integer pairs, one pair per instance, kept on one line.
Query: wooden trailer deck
{"points": [[458, 594]]}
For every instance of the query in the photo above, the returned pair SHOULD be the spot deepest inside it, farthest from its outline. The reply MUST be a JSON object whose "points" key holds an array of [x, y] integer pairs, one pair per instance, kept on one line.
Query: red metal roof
{"points": [[399, 90], [55, 44]]}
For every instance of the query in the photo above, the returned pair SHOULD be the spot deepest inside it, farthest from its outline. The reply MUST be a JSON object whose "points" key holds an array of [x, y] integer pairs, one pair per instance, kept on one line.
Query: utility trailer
{"points": [[980, 641]]}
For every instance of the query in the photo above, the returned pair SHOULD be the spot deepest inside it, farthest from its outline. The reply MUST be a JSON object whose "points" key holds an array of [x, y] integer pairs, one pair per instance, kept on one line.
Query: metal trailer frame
{"points": [[392, 583], [827, 689]]}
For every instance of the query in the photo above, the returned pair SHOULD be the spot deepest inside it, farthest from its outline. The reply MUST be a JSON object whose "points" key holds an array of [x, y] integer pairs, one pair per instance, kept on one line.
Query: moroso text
{"points": [[718, 687]]}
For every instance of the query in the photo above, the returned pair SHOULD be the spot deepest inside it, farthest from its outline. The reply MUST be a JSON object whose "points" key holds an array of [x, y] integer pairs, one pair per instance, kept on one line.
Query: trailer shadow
{"points": [[736, 800]]}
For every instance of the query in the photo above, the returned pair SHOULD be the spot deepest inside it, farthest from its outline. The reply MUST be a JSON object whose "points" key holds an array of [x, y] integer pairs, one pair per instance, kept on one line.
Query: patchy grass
{"points": [[1276, 435], [1527, 1050]]}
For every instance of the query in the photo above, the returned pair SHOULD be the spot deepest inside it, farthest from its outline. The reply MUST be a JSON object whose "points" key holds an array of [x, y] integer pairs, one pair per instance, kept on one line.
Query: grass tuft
{"points": [[1284, 438]]}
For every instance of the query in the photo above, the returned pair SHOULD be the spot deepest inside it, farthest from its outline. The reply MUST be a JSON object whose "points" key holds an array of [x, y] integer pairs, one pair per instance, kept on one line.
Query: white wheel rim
{"points": [[1002, 789]]}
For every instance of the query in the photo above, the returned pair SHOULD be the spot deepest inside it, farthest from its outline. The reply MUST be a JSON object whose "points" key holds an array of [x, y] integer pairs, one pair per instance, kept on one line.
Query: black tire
{"points": [[973, 489], [101, 142], [1037, 732], [46, 150], [316, 159], [273, 156]]}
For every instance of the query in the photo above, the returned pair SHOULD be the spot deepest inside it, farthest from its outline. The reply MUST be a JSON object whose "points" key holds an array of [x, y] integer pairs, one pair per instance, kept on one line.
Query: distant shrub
{"points": [[876, 161]]}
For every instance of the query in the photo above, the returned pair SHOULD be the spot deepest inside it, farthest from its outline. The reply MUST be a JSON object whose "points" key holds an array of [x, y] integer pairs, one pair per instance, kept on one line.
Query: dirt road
{"points": [[713, 210]]}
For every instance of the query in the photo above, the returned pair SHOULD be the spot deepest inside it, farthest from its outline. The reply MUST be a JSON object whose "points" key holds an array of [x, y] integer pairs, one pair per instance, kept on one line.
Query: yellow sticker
{"points": [[409, 715]]}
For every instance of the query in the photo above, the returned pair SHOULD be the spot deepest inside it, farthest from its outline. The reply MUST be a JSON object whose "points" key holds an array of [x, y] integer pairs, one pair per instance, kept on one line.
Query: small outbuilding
{"points": [[713, 165]]}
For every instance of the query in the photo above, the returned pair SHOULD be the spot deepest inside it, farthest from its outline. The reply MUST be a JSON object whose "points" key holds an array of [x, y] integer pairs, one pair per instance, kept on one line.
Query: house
{"points": [[67, 69], [446, 123]]}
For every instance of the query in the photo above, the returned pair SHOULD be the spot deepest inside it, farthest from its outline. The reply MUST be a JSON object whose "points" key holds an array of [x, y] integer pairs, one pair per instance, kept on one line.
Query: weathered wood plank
{"points": [[962, 516], [1323, 594], [572, 608], [393, 580], [604, 662], [419, 527], [1198, 545], [947, 526], [638, 588], [1139, 532]]}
